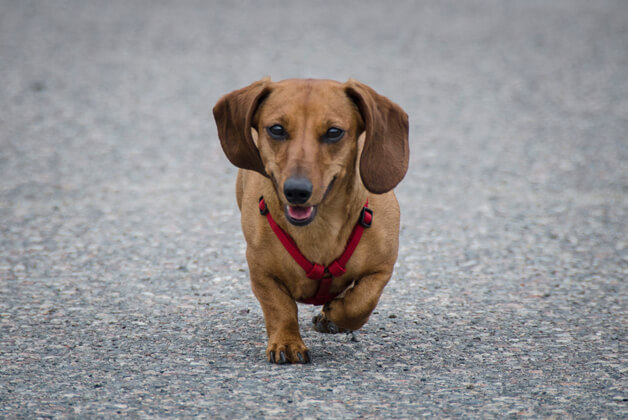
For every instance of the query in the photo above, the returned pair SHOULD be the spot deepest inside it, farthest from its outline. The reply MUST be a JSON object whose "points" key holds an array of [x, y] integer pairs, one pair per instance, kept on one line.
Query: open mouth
{"points": [[303, 215], [300, 216]]}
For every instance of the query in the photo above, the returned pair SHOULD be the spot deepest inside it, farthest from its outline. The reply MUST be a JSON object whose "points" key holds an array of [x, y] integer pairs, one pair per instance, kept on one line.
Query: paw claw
{"points": [[286, 353], [324, 325]]}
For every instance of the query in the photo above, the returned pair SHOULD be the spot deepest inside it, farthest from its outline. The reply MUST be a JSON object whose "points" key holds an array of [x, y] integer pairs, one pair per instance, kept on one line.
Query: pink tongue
{"points": [[299, 213]]}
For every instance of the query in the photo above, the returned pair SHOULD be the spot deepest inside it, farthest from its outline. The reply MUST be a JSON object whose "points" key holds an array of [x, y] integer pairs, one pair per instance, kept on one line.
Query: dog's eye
{"points": [[333, 135], [277, 132]]}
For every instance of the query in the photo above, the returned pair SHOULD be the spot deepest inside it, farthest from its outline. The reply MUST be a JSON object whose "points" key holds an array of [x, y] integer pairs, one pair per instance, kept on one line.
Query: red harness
{"points": [[317, 271]]}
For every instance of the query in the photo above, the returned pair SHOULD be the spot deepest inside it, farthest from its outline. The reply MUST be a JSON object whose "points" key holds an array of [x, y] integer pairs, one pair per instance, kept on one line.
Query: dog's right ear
{"points": [[234, 114]]}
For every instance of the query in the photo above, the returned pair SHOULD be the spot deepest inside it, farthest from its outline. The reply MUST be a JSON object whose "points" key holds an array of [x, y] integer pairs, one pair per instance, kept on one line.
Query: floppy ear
{"points": [[384, 159], [234, 114]]}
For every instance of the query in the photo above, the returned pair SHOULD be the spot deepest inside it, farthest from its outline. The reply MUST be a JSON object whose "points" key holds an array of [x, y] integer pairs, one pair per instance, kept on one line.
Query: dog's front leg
{"points": [[285, 344], [351, 312]]}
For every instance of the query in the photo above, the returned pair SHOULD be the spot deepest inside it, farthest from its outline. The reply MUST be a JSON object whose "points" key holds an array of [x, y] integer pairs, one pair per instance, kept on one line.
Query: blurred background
{"points": [[121, 256]]}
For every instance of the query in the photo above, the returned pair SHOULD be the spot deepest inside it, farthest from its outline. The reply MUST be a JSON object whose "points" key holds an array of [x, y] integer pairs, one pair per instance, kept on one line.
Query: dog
{"points": [[318, 162]]}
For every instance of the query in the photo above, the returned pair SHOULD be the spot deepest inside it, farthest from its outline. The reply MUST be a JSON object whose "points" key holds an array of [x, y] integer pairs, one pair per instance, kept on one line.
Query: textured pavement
{"points": [[123, 283]]}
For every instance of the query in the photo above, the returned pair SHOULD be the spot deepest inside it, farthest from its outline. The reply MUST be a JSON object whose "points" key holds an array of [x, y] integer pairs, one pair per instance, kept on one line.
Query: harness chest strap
{"points": [[316, 271]]}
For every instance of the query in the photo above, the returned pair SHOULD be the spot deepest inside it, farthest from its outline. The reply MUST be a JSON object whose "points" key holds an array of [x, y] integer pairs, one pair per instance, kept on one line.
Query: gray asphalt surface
{"points": [[123, 283]]}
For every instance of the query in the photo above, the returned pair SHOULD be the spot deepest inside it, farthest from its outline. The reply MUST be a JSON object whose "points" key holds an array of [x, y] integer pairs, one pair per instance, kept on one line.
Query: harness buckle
{"points": [[263, 208], [366, 217], [317, 272], [335, 269]]}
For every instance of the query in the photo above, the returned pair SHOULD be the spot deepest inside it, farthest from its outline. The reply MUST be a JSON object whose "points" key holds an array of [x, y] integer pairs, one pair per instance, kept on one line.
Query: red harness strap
{"points": [[317, 271]]}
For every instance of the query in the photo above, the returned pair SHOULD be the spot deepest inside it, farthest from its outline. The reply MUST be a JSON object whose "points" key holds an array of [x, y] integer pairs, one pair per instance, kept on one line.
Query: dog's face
{"points": [[307, 137]]}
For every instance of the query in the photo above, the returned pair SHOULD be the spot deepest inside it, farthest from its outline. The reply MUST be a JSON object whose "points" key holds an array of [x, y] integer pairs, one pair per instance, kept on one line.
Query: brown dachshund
{"points": [[319, 160]]}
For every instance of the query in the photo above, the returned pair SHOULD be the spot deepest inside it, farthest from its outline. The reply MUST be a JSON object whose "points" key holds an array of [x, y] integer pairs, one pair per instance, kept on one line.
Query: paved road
{"points": [[123, 284]]}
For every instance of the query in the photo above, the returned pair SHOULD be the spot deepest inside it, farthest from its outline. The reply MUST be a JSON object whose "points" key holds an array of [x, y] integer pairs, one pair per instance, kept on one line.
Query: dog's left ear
{"points": [[384, 160], [234, 114]]}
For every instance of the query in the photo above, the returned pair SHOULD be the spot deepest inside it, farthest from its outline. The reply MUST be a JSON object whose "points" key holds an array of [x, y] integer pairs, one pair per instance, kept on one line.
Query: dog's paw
{"points": [[282, 353], [324, 325]]}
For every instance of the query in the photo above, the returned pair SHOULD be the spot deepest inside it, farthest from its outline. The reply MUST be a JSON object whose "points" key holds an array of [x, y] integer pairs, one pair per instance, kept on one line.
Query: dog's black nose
{"points": [[297, 190]]}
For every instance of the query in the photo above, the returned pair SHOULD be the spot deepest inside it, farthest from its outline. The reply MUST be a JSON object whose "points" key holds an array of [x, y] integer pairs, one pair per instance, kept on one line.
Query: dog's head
{"points": [[307, 137]]}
